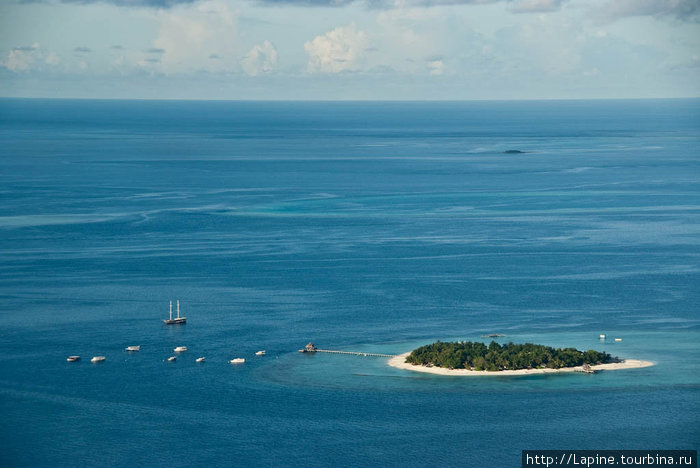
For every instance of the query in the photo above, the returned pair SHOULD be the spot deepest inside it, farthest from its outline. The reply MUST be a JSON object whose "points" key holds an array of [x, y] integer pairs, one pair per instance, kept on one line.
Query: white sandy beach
{"points": [[400, 363]]}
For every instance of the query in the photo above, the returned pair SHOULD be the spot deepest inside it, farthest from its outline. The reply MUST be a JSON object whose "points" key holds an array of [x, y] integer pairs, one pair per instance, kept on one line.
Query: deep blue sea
{"points": [[374, 227]]}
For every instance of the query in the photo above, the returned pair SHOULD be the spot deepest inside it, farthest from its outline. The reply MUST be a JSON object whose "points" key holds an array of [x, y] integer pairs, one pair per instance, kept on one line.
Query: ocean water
{"points": [[374, 227]]}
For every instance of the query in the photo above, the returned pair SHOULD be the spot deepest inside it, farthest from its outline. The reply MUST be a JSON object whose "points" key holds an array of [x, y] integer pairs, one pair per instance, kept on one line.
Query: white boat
{"points": [[98, 359], [180, 349], [618, 339], [177, 320], [237, 361], [73, 358], [133, 349], [260, 353], [200, 359], [602, 337], [172, 359]]}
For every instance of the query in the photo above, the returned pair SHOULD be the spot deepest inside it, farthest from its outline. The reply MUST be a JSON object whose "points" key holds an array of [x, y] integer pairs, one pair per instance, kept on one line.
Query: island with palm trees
{"points": [[477, 358]]}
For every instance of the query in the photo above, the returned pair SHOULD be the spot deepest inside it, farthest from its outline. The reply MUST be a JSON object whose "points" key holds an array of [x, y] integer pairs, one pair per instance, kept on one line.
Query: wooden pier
{"points": [[356, 353], [310, 348]]}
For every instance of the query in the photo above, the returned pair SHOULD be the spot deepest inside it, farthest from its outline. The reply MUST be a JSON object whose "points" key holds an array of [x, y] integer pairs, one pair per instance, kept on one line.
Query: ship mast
{"points": [[171, 310], [178, 308]]}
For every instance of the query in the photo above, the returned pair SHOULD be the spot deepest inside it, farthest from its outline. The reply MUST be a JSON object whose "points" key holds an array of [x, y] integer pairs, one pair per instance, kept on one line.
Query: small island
{"points": [[476, 358]]}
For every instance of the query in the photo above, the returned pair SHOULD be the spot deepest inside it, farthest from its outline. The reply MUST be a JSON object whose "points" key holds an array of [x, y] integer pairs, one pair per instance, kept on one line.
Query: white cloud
{"points": [[52, 59], [342, 49], [26, 58], [409, 37], [188, 35], [19, 60], [436, 67], [262, 58]]}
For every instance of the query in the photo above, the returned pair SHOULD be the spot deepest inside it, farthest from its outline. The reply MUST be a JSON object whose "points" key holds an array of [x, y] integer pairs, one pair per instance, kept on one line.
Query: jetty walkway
{"points": [[311, 348], [356, 353]]}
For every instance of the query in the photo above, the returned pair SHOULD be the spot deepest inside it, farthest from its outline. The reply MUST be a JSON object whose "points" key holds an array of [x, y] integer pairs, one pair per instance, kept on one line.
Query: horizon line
{"points": [[347, 100]]}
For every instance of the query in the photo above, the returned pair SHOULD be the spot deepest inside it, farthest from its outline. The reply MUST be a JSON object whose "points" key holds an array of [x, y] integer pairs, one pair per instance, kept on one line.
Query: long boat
{"points": [[177, 320]]}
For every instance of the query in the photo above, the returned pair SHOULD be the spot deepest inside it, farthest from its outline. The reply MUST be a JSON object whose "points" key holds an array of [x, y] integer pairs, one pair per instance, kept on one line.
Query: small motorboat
{"points": [[73, 358], [618, 339], [132, 349], [260, 353], [237, 361], [180, 349], [200, 359], [172, 359], [602, 336], [98, 359]]}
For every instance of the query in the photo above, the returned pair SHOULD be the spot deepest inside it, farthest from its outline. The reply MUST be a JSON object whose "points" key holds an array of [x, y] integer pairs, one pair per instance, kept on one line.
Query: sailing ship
{"points": [[177, 320]]}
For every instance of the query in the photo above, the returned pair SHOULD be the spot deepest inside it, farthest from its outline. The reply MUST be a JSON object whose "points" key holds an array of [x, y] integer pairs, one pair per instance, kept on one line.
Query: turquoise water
{"points": [[373, 227]]}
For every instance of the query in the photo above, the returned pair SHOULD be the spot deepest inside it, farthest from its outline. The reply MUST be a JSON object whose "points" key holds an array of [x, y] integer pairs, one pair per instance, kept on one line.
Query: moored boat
{"points": [[237, 361], [180, 349], [177, 320], [98, 359], [260, 353], [200, 359], [133, 349], [172, 358], [73, 358]]}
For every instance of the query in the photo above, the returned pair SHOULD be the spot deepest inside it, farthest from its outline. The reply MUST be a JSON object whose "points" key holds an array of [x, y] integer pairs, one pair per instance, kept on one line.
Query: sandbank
{"points": [[400, 363]]}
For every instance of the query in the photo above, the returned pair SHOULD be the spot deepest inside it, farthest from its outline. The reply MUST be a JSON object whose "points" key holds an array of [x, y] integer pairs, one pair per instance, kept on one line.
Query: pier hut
{"points": [[309, 348]]}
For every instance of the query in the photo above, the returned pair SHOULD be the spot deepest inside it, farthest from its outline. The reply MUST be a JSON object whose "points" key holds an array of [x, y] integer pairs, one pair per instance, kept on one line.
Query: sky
{"points": [[350, 49]]}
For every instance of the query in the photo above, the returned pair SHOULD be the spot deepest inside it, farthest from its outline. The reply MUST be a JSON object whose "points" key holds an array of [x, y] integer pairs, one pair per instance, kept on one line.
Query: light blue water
{"points": [[374, 227]]}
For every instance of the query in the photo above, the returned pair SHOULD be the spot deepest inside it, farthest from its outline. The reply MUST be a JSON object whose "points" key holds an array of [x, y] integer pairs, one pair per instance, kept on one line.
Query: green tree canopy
{"points": [[509, 356]]}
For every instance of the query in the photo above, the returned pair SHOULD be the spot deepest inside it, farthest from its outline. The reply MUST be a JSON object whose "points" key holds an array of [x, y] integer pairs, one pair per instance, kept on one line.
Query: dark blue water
{"points": [[363, 226]]}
